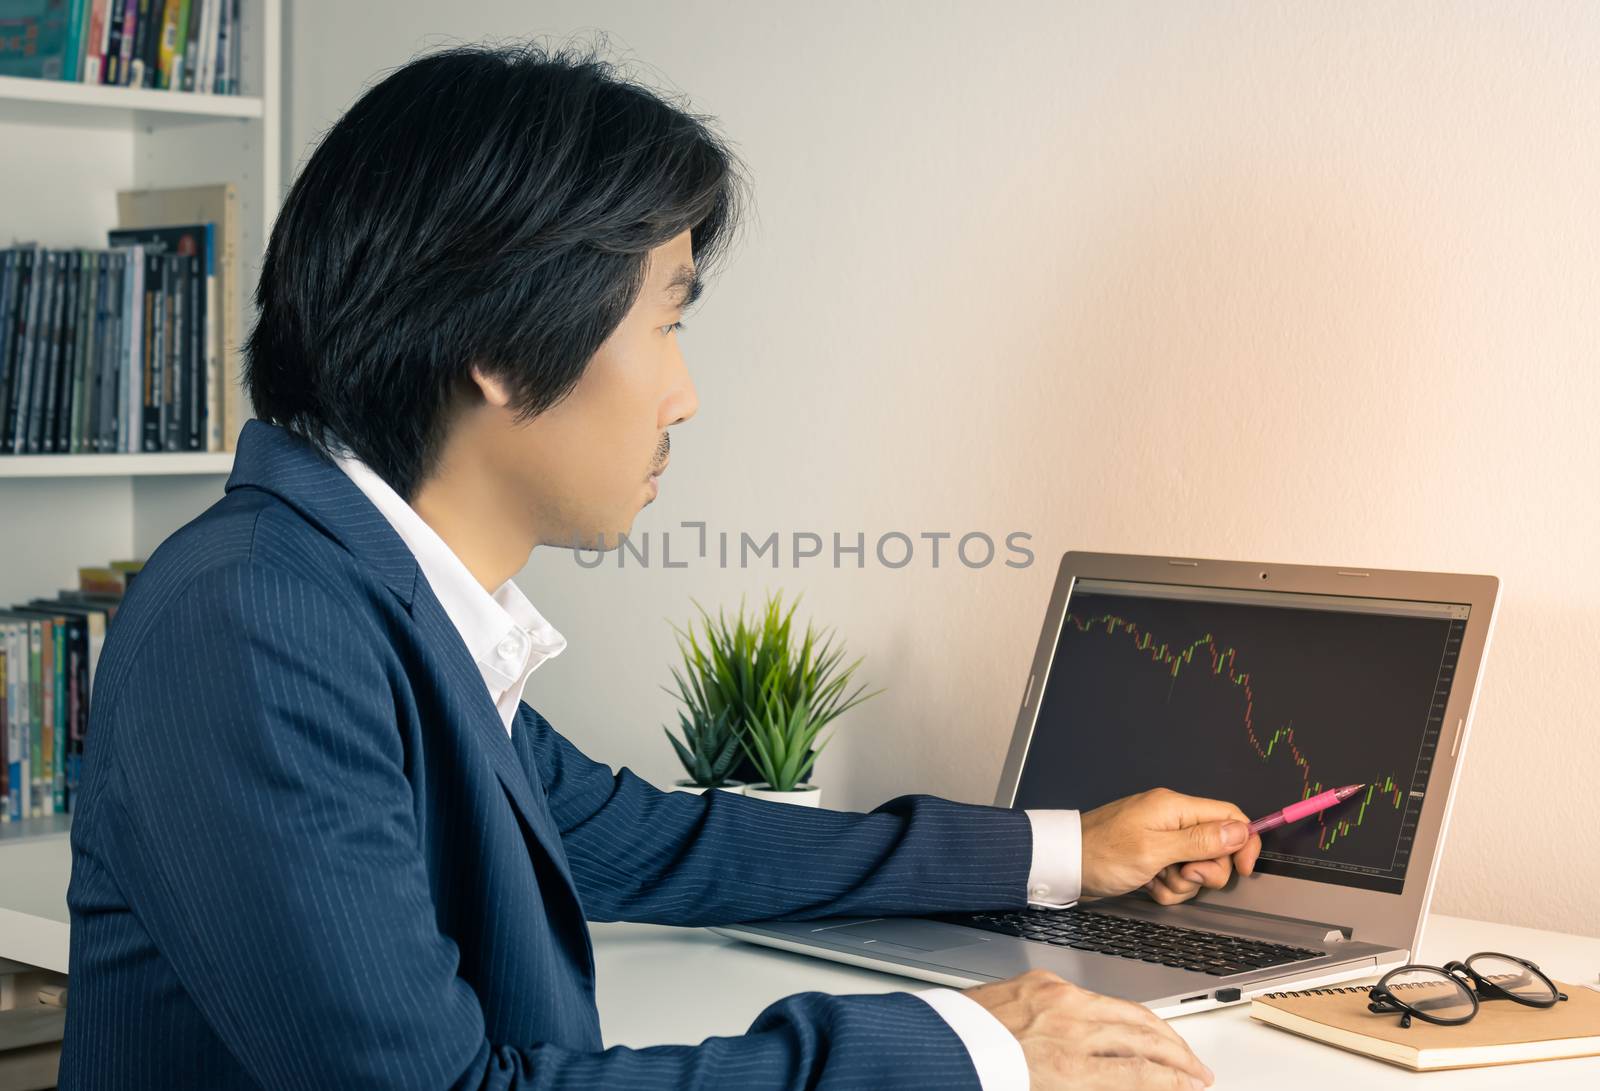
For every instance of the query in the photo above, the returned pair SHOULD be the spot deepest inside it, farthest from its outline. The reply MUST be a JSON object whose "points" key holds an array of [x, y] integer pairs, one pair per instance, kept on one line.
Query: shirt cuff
{"points": [[995, 1051], [1056, 877]]}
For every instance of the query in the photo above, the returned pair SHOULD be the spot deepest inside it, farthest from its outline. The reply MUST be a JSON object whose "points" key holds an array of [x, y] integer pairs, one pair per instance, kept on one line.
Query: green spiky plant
{"points": [[710, 748], [776, 697]]}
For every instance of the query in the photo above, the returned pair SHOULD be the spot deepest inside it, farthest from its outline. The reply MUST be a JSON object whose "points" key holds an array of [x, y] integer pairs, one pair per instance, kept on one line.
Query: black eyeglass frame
{"points": [[1384, 1002]]}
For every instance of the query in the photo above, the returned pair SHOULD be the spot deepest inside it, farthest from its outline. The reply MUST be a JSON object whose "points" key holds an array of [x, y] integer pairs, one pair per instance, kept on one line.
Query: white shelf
{"points": [[54, 825], [134, 99], [150, 465]]}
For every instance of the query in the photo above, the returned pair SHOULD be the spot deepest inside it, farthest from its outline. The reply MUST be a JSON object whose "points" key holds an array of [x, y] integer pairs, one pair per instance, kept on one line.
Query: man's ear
{"points": [[490, 388]]}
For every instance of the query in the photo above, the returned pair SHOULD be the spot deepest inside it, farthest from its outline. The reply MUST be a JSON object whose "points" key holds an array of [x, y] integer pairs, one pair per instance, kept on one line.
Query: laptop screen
{"points": [[1260, 698]]}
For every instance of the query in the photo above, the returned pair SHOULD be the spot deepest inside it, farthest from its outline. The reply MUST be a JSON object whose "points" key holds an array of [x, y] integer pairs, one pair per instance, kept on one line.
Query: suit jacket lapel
{"points": [[277, 461], [476, 713]]}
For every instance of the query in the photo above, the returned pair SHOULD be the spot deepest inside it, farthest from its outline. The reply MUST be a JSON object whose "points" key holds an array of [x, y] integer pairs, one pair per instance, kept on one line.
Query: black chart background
{"points": [[1357, 687]]}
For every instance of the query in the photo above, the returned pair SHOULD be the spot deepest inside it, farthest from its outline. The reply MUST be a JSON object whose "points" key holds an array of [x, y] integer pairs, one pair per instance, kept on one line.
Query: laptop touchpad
{"points": [[919, 935]]}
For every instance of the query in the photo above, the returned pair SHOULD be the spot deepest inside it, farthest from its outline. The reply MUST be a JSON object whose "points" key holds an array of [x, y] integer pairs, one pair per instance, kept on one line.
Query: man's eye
{"points": [[674, 326]]}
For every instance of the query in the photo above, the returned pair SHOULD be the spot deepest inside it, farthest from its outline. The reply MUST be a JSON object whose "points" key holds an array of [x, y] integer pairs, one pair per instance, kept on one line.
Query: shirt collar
{"points": [[505, 635]]}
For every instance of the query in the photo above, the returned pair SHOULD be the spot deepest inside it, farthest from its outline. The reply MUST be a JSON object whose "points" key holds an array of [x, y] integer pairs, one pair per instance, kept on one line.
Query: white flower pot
{"points": [[804, 795], [735, 786]]}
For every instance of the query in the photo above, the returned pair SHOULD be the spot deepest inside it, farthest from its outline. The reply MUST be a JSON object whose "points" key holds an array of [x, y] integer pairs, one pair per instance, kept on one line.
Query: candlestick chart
{"points": [[1258, 705]]}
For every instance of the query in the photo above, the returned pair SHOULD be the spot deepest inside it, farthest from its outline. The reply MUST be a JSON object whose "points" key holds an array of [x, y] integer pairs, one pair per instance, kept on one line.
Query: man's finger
{"points": [[1245, 859], [1138, 1040], [1207, 841], [1169, 888], [1211, 873]]}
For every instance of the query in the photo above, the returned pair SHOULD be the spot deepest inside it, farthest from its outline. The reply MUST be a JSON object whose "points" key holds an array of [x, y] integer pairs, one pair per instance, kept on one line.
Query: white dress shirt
{"points": [[509, 639]]}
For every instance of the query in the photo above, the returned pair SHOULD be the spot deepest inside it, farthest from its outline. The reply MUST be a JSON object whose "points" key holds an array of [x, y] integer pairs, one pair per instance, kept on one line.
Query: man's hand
{"points": [[1167, 843], [1073, 1038]]}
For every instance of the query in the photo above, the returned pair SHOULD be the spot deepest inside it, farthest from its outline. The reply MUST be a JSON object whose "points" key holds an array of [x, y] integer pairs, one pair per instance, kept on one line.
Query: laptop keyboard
{"points": [[1141, 941]]}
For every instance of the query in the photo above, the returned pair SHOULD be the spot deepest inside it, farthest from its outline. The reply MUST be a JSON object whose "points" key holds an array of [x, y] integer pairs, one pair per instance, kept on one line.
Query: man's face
{"points": [[588, 465]]}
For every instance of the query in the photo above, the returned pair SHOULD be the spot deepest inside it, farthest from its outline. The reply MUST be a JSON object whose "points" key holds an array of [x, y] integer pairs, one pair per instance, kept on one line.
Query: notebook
{"points": [[1501, 1033]]}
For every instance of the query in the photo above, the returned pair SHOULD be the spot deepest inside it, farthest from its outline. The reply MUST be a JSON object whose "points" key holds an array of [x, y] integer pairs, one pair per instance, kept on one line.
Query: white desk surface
{"points": [[681, 985], [661, 986]]}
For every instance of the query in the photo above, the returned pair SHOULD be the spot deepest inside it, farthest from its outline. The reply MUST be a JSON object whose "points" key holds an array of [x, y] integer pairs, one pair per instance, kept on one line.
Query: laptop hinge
{"points": [[1246, 920], [1320, 931]]}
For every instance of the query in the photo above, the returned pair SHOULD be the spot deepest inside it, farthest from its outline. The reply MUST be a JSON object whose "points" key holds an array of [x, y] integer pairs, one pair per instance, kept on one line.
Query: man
{"points": [[321, 841]]}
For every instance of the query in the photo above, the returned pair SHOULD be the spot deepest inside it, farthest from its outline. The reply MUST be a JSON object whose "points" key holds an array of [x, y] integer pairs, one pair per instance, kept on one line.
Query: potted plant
{"points": [[778, 696], [710, 746]]}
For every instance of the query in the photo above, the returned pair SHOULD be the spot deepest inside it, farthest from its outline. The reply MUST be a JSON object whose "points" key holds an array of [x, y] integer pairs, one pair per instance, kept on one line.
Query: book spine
{"points": [[113, 64], [92, 48], [111, 354], [152, 352], [71, 342], [73, 392], [149, 20], [61, 369], [218, 48], [9, 282], [172, 398], [74, 41], [196, 434], [202, 51], [27, 307], [95, 383], [44, 355], [87, 338], [45, 717], [133, 361], [106, 10], [182, 374], [5, 724], [56, 770], [224, 75], [8, 723], [77, 704], [87, 652], [37, 350], [16, 697], [167, 50], [130, 35], [191, 43], [5, 733], [44, 439], [21, 401], [213, 399]]}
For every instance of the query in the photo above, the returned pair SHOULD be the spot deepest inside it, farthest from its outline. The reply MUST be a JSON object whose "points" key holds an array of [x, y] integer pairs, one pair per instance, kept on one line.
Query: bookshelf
{"points": [[68, 149]]}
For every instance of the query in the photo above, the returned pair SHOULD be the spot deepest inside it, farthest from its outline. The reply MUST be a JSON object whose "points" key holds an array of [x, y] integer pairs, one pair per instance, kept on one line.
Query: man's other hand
{"points": [[1169, 844], [1073, 1038]]}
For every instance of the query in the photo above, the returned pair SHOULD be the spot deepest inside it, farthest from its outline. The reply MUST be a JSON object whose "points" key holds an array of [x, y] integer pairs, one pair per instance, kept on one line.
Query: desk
{"points": [[670, 985], [660, 986]]}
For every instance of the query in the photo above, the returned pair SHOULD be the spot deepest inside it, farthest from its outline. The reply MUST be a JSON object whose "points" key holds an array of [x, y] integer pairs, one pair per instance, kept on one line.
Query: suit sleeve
{"points": [[261, 828], [641, 854]]}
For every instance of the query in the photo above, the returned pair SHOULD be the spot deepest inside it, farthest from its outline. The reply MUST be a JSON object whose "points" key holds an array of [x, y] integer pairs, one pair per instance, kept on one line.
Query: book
{"points": [[5, 734], [37, 39], [14, 635], [218, 206], [1502, 1032]]}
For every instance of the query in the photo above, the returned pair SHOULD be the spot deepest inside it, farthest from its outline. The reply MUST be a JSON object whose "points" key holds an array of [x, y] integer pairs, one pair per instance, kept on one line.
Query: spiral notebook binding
{"points": [[1330, 991], [1333, 991]]}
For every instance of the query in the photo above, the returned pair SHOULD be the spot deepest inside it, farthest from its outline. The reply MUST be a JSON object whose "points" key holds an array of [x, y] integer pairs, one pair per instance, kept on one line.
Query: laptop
{"points": [[1260, 684]]}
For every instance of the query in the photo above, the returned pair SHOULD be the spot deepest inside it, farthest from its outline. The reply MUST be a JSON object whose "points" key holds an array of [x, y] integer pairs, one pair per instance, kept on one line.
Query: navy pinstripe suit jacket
{"points": [[308, 855]]}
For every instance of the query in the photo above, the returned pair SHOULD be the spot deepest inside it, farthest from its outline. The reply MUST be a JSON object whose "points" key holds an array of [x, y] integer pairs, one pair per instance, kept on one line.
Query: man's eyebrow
{"points": [[685, 285]]}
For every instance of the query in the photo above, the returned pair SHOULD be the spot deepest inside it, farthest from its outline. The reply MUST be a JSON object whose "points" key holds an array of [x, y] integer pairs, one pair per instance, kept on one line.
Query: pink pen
{"points": [[1306, 807]]}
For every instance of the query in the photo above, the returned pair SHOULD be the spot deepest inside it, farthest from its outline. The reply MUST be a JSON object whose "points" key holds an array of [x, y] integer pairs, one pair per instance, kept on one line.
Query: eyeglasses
{"points": [[1441, 994]]}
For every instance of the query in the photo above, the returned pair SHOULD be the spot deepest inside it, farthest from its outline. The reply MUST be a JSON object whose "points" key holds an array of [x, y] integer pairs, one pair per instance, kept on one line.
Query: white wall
{"points": [[1301, 283]]}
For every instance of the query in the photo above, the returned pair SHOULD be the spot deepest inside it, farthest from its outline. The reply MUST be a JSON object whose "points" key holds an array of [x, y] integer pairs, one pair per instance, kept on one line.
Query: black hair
{"points": [[481, 205]]}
